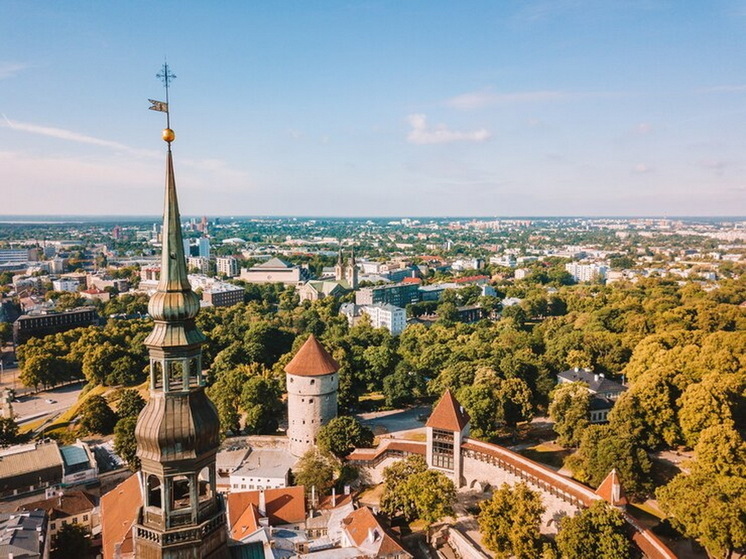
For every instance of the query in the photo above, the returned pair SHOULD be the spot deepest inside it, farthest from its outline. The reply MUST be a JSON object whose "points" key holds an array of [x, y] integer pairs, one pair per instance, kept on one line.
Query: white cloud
{"points": [[736, 88], [69, 135], [422, 134], [642, 168], [487, 97], [9, 70], [644, 128]]}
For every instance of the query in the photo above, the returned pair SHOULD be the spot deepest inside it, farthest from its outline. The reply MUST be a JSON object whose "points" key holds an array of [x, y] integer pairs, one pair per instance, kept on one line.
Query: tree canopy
{"points": [[510, 522]]}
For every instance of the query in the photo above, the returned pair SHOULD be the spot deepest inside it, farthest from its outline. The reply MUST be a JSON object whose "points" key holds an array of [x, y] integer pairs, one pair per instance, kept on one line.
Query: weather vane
{"points": [[166, 77]]}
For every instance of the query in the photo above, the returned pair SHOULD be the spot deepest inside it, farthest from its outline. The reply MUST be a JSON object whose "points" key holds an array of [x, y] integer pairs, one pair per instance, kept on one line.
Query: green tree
{"points": [[343, 434], [568, 409], [130, 403], [577, 358], [602, 450], [394, 501], [647, 411], [8, 431], [514, 402], [125, 444], [432, 495], [95, 416], [260, 399], [316, 469], [597, 532], [72, 540], [715, 400], [6, 333], [721, 450], [510, 522], [709, 508]]}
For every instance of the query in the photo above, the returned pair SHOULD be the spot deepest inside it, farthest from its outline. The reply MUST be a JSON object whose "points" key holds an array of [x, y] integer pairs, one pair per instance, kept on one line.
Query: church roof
{"points": [[274, 263], [611, 490], [312, 360], [448, 415]]}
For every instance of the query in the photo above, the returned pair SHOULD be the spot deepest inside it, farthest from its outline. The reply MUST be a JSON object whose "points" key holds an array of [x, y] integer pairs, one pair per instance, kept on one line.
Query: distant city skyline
{"points": [[377, 108]]}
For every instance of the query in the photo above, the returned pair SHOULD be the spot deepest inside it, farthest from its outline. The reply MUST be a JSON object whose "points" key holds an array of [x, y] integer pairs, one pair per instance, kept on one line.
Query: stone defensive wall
{"points": [[486, 464]]}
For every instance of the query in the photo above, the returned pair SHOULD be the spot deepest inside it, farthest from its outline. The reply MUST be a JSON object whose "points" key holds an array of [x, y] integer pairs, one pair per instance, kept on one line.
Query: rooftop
{"points": [[312, 360], [266, 463], [448, 415], [596, 382]]}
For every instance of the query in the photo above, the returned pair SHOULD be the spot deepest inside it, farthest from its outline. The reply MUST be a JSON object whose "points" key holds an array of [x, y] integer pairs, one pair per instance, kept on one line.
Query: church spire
{"points": [[178, 431]]}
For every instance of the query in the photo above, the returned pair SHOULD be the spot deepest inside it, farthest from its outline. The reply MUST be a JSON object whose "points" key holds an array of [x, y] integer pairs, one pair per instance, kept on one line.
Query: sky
{"points": [[376, 108]]}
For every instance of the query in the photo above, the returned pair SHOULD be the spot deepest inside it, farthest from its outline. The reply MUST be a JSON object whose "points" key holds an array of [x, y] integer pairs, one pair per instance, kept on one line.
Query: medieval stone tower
{"points": [[178, 431], [312, 382]]}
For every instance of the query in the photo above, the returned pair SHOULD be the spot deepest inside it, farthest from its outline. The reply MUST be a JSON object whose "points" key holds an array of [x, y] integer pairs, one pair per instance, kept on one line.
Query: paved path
{"points": [[394, 421]]}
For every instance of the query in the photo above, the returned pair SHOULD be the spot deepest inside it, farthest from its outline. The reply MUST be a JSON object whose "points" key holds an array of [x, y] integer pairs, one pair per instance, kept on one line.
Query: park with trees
{"points": [[679, 347]]}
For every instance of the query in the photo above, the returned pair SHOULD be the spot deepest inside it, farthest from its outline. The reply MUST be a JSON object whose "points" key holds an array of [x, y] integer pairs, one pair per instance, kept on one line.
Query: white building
{"points": [[200, 263], [265, 468], [384, 315], [70, 285], [227, 265], [586, 272]]}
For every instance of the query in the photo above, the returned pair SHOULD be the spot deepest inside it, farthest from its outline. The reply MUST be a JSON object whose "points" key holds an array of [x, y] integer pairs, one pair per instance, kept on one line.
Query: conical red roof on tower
{"points": [[312, 360], [611, 490], [448, 415]]}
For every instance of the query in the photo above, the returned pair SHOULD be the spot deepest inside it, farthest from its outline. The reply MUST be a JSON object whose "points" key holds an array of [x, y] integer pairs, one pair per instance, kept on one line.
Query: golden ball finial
{"points": [[168, 135]]}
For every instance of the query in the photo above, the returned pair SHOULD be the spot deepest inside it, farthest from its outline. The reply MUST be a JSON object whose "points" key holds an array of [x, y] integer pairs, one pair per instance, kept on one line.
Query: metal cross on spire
{"points": [[166, 77]]}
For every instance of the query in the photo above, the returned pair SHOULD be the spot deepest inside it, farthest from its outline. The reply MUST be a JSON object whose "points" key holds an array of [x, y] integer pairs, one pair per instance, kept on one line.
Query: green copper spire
{"points": [[174, 305]]}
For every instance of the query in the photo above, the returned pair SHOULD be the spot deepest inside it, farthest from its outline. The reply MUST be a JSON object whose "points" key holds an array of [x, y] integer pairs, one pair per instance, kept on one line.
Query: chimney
{"points": [[262, 503], [334, 497], [595, 378], [577, 369]]}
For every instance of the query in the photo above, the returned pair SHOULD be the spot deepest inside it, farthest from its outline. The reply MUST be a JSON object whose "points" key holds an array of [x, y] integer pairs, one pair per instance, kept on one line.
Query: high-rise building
{"points": [[204, 247], [178, 432], [227, 265]]}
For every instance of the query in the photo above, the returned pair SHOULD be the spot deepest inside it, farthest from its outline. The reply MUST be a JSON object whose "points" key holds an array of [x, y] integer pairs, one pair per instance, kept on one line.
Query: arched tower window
{"points": [[156, 374], [205, 485], [181, 497], [154, 492]]}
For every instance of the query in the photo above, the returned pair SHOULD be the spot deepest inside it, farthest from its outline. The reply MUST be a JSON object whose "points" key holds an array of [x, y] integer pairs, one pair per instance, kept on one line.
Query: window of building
{"points": [[442, 456], [154, 492]]}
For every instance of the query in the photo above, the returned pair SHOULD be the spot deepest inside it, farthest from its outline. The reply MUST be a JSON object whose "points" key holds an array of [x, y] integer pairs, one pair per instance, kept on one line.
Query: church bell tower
{"points": [[178, 431]]}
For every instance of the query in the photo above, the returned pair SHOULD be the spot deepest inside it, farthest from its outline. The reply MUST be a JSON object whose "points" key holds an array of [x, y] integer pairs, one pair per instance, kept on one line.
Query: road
{"points": [[32, 406]]}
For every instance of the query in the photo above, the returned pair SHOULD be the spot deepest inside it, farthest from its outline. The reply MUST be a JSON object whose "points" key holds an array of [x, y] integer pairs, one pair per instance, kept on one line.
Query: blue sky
{"points": [[361, 108]]}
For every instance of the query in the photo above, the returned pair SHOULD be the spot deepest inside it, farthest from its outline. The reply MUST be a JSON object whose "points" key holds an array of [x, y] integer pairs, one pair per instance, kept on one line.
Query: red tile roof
{"points": [[471, 279], [71, 503], [119, 508], [361, 524], [448, 415], [247, 523], [611, 490], [312, 360], [411, 280], [286, 505]]}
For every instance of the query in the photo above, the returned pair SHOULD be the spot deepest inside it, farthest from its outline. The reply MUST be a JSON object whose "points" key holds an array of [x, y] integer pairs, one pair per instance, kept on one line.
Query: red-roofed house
{"points": [[447, 428], [361, 529], [119, 509], [250, 510]]}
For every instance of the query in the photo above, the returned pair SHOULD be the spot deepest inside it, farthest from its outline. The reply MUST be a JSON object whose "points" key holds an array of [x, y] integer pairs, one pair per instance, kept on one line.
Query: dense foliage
{"points": [[510, 522]]}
